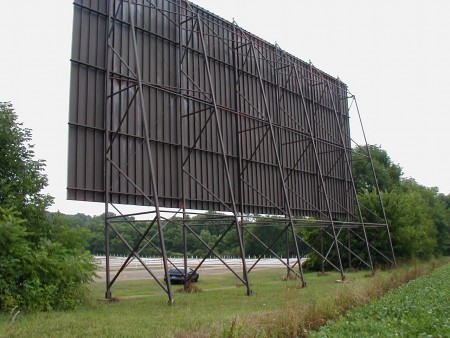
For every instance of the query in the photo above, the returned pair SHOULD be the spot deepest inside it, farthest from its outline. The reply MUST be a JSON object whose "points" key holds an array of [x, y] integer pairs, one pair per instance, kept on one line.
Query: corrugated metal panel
{"points": [[256, 96]]}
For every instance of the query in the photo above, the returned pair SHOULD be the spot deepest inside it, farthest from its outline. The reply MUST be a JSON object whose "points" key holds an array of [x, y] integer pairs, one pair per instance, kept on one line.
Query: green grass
{"points": [[420, 308], [277, 308]]}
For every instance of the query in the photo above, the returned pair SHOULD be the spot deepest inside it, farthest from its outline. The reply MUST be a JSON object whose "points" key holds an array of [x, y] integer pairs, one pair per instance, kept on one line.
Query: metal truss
{"points": [[134, 85], [196, 103]]}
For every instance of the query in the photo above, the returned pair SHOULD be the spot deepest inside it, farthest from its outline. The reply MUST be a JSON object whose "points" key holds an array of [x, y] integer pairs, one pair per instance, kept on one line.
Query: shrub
{"points": [[42, 277]]}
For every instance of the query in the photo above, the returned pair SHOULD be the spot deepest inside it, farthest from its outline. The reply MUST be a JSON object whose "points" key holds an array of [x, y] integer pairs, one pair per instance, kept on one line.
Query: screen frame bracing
{"points": [[173, 107]]}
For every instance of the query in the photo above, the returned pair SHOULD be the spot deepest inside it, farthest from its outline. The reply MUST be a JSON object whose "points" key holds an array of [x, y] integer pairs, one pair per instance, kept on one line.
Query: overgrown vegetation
{"points": [[277, 309], [299, 318], [418, 217], [419, 309], [43, 262]]}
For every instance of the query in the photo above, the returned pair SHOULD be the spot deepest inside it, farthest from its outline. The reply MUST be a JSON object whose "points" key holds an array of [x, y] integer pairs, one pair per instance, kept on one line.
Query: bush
{"points": [[43, 263], [42, 277]]}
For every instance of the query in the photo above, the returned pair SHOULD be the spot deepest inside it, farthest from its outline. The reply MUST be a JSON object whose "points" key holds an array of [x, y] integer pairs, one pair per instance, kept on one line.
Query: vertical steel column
{"points": [[224, 156], [278, 100], [149, 153], [182, 112], [349, 182], [237, 108], [348, 161], [107, 141], [280, 170], [319, 170], [314, 132]]}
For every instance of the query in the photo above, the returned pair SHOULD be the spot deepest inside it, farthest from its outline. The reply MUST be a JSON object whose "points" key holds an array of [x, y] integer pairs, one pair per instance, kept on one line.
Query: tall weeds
{"points": [[297, 320]]}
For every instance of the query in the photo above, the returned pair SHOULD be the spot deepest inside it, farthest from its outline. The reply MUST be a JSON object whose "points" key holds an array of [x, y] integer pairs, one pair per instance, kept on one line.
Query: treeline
{"points": [[209, 232]]}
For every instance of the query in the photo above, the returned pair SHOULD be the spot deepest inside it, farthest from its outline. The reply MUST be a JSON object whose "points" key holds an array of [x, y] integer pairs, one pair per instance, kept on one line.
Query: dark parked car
{"points": [[177, 275]]}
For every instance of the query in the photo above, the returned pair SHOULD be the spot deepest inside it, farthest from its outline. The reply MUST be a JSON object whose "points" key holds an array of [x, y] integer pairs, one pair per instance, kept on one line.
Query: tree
{"points": [[42, 276], [21, 176], [444, 228], [412, 228], [43, 262], [418, 217], [437, 209], [388, 173]]}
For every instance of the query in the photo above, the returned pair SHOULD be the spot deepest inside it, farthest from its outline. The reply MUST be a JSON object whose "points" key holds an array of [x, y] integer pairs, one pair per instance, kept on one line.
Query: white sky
{"points": [[393, 54]]}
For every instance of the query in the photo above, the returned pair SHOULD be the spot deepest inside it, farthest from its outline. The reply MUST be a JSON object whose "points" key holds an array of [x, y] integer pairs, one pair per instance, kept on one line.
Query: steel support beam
{"points": [[253, 129]]}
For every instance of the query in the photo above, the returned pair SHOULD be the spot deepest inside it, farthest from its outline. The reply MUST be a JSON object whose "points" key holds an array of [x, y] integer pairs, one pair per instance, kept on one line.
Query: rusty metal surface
{"points": [[261, 95]]}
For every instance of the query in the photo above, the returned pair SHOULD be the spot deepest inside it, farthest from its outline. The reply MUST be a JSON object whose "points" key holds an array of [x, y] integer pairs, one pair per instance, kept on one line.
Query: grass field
{"points": [[277, 307]]}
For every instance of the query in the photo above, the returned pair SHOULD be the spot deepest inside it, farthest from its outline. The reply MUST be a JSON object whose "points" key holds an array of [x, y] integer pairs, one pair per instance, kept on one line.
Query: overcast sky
{"points": [[394, 56]]}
